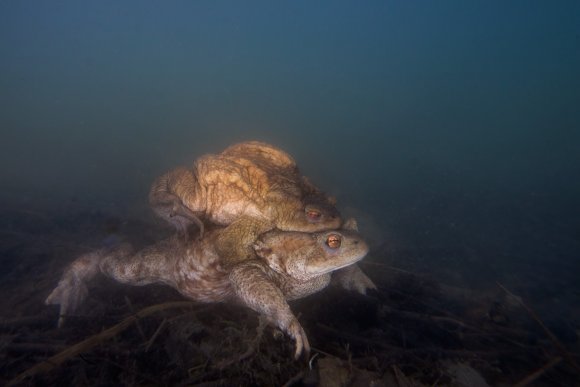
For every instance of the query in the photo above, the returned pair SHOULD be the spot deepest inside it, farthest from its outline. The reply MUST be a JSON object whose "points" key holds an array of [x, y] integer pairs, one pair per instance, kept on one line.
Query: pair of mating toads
{"points": [[271, 236]]}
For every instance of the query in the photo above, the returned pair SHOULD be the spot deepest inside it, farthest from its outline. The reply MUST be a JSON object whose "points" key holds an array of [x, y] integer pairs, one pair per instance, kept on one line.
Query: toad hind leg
{"points": [[72, 290], [150, 265]]}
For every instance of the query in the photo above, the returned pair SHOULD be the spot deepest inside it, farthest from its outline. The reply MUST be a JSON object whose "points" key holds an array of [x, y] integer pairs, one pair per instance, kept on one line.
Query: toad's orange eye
{"points": [[333, 241], [313, 214]]}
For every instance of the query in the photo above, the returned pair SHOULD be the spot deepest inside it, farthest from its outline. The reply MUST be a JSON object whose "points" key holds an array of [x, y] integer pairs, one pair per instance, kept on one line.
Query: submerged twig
{"points": [[33, 347], [395, 350], [29, 321], [400, 377], [137, 323], [389, 267], [539, 372], [252, 347], [294, 379], [157, 332], [56, 360], [431, 318], [557, 343]]}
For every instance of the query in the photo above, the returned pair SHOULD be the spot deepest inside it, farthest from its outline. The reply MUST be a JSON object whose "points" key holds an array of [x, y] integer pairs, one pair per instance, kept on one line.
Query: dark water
{"points": [[444, 127]]}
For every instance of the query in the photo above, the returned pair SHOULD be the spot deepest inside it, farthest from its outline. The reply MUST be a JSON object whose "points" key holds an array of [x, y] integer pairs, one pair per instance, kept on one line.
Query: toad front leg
{"points": [[166, 198], [353, 278], [185, 216], [254, 287]]}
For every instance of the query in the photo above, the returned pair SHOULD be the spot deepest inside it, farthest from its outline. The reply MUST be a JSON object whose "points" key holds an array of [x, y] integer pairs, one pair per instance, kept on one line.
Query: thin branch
{"points": [[157, 332], [294, 379], [563, 351], [539, 372], [56, 360]]}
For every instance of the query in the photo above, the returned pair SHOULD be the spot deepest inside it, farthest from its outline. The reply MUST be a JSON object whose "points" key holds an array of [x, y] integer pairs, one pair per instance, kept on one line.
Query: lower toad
{"points": [[287, 265]]}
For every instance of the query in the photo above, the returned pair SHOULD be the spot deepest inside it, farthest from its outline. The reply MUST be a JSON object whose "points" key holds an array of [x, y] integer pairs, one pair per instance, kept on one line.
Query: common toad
{"points": [[285, 266]]}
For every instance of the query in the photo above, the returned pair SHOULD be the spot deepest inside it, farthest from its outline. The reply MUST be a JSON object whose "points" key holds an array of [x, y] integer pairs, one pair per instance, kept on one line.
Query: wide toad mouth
{"points": [[317, 270]]}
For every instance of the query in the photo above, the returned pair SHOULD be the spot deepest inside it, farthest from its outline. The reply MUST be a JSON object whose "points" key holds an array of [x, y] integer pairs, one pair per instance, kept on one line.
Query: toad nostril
{"points": [[356, 242]]}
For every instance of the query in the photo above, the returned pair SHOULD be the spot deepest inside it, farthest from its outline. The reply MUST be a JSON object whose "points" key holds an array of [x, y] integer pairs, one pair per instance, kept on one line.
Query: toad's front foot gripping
{"points": [[296, 331], [178, 209], [254, 287]]}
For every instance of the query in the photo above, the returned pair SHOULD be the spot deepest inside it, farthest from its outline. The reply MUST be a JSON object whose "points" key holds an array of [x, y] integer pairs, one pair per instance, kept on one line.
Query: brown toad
{"points": [[287, 266], [251, 187]]}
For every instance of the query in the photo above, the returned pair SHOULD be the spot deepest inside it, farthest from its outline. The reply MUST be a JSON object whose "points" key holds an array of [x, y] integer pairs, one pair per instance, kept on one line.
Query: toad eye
{"points": [[333, 241], [313, 214]]}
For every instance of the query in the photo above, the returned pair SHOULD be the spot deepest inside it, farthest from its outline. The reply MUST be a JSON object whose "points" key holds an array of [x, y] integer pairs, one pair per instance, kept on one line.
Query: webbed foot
{"points": [[69, 294], [72, 290]]}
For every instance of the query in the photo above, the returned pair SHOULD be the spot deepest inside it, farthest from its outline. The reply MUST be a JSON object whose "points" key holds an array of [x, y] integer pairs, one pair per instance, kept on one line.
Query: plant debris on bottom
{"points": [[413, 331]]}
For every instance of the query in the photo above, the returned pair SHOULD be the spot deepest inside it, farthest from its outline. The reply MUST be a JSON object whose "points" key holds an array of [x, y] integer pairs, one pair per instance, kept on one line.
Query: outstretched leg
{"points": [[72, 289], [153, 264], [150, 265]]}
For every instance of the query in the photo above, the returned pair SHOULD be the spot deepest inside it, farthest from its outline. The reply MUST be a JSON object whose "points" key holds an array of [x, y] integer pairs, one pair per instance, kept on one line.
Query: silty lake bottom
{"points": [[471, 291]]}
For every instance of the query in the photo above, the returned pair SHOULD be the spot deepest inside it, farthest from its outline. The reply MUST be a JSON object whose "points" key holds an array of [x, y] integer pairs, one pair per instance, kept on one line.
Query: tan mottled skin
{"points": [[252, 188], [286, 266]]}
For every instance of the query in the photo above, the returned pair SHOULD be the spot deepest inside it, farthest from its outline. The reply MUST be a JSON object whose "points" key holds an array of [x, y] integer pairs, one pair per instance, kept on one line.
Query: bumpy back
{"points": [[280, 168], [263, 155]]}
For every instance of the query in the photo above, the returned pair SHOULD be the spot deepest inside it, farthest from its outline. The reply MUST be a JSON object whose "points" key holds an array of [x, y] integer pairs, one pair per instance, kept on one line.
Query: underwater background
{"points": [[451, 130]]}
